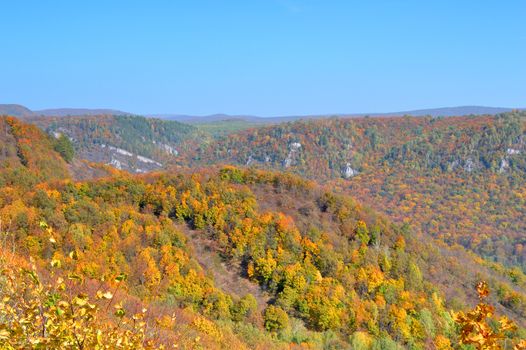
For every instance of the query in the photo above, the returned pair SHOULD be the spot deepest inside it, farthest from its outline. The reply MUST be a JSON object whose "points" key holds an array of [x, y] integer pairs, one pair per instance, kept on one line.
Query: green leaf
{"points": [[121, 277]]}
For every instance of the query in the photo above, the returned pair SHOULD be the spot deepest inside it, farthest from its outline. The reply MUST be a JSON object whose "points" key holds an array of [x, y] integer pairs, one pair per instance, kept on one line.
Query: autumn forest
{"points": [[335, 233]]}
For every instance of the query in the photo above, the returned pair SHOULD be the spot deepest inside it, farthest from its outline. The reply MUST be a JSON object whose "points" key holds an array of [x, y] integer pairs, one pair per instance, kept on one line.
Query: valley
{"points": [[363, 247], [263, 175]]}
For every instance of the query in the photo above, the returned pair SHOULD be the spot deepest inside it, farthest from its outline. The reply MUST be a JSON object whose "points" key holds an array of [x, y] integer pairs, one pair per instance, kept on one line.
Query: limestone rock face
{"points": [[510, 153], [167, 148], [124, 160], [293, 149], [504, 165], [349, 172], [295, 146], [469, 165]]}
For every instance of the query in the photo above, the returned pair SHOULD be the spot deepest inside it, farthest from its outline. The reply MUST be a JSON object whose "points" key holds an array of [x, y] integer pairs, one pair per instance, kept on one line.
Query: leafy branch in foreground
{"points": [[476, 330], [34, 314]]}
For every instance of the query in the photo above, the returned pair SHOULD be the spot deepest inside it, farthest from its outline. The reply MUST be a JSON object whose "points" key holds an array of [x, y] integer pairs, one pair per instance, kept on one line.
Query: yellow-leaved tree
{"points": [[54, 315], [475, 328]]}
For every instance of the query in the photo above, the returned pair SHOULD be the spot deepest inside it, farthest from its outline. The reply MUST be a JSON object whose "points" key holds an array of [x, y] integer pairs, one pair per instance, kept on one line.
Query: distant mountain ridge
{"points": [[434, 112], [64, 112], [22, 111], [450, 111], [184, 118], [17, 110]]}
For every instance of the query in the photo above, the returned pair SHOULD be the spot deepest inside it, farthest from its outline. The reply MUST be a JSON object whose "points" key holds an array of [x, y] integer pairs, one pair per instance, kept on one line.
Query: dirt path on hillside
{"points": [[227, 276]]}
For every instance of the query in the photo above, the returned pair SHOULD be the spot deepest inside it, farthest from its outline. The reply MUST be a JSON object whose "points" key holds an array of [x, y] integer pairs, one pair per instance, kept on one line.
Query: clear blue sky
{"points": [[263, 57]]}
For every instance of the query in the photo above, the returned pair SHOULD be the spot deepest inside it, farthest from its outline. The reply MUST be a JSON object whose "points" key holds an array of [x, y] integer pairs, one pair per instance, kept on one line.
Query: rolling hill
{"points": [[64, 112], [27, 154], [432, 112], [413, 169], [460, 179], [16, 110], [131, 143], [227, 256]]}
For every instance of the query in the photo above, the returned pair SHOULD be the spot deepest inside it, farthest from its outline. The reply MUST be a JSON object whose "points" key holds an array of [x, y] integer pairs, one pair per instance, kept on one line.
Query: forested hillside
{"points": [[460, 179], [131, 143], [263, 259], [26, 151], [223, 256], [329, 272], [413, 169]]}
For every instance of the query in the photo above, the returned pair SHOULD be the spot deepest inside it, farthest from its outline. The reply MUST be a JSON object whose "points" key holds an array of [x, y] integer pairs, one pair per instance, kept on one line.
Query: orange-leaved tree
{"points": [[475, 328], [51, 314]]}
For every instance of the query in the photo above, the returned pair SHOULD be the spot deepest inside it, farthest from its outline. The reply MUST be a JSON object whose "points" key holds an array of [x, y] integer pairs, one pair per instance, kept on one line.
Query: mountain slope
{"points": [[414, 169], [433, 112], [27, 154], [131, 143], [407, 167], [243, 256], [22, 111], [326, 266], [64, 112], [15, 110]]}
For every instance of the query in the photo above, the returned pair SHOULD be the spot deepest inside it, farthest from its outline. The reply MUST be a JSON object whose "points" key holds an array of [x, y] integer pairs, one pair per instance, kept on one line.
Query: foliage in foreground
{"points": [[335, 275], [56, 316], [475, 327]]}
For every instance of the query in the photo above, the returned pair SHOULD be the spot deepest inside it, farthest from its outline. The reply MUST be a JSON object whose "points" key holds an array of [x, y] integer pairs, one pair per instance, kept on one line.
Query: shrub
{"points": [[275, 319]]}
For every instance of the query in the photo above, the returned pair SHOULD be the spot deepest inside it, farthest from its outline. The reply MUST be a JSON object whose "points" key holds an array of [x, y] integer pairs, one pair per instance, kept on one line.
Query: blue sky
{"points": [[272, 57]]}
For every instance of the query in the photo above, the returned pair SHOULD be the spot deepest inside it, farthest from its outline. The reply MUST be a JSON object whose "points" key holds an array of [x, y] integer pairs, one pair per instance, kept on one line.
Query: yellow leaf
{"points": [[4, 334], [101, 295]]}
